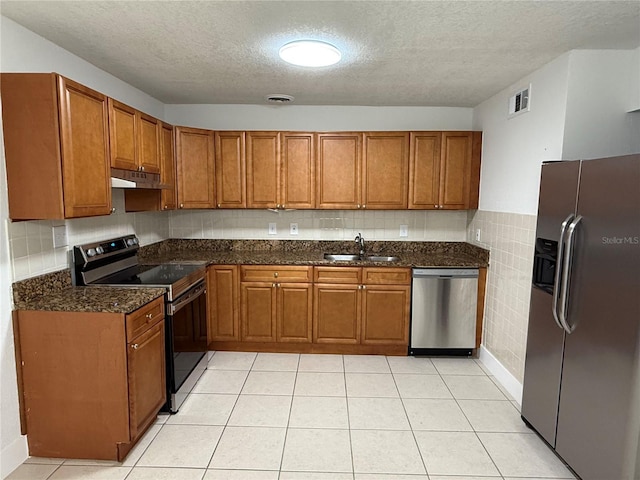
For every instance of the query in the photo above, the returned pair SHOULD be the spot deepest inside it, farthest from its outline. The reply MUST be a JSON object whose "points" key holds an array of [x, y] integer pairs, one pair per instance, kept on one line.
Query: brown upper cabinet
{"points": [[169, 199], [444, 170], [385, 170], [338, 170], [230, 170], [298, 153], [135, 139], [144, 200], [280, 170], [263, 169], [363, 170], [56, 146], [195, 168]]}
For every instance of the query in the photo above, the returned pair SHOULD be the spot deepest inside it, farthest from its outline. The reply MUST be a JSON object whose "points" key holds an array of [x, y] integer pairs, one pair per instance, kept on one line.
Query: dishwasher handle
{"points": [[445, 273]]}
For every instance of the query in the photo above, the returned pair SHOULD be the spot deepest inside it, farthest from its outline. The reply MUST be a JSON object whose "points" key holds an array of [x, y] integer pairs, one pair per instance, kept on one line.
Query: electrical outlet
{"points": [[60, 236], [293, 228], [404, 230], [477, 234], [272, 229]]}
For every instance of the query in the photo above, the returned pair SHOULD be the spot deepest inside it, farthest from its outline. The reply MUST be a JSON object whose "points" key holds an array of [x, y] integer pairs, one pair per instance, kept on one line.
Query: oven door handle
{"points": [[187, 298]]}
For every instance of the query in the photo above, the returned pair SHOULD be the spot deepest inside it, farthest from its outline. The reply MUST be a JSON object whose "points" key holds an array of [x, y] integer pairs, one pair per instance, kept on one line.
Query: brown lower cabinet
{"points": [[91, 383], [309, 309], [368, 306]]}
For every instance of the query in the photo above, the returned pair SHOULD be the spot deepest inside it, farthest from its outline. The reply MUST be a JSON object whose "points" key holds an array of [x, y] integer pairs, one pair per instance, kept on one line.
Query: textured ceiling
{"points": [[423, 53]]}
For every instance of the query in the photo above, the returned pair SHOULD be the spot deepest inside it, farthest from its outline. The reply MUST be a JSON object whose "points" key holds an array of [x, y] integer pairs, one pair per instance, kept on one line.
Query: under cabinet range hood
{"points": [[128, 179]]}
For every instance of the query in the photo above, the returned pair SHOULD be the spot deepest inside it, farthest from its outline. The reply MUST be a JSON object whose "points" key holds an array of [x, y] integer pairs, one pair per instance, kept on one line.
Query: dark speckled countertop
{"points": [[55, 292], [283, 252]]}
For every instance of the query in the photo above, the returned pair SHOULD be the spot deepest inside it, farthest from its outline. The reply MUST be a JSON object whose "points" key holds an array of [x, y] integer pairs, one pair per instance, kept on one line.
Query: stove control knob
{"points": [[129, 242], [99, 250], [91, 252]]}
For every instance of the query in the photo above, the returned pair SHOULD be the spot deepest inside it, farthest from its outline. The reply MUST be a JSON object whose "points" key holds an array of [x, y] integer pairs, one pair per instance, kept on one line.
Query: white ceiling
{"points": [[422, 53]]}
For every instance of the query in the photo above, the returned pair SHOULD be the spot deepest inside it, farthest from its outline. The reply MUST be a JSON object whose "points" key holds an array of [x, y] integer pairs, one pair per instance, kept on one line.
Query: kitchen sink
{"points": [[378, 258], [347, 257], [341, 257]]}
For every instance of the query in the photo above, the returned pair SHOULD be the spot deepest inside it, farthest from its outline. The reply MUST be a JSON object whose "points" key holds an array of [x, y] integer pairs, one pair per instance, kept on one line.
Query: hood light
{"points": [[310, 53]]}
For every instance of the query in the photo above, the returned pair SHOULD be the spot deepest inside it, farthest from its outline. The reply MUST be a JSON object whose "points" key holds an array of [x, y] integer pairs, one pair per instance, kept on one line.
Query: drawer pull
{"points": [[275, 274], [149, 315], [134, 346]]}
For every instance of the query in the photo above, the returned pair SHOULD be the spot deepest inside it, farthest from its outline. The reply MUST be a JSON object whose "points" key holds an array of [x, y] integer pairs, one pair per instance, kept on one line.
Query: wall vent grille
{"points": [[520, 102]]}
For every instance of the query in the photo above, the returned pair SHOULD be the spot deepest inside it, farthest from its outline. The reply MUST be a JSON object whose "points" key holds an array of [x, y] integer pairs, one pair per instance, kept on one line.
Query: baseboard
{"points": [[13, 455], [501, 374]]}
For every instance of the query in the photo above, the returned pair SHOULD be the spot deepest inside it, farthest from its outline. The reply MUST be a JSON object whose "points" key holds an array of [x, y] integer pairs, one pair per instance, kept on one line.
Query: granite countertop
{"points": [[54, 291], [259, 252], [93, 299], [248, 257]]}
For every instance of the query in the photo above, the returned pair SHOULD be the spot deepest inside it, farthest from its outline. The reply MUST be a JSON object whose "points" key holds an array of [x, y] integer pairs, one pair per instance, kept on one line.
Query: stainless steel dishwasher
{"points": [[443, 311]]}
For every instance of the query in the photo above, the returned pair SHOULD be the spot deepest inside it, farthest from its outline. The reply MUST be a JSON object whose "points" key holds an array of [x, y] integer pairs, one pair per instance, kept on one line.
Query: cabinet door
{"points": [[123, 132], [385, 170], [146, 372], [336, 314], [338, 170], [222, 296], [258, 310], [455, 173], [148, 143], [230, 170], [424, 170], [385, 314], [263, 169], [195, 168], [298, 171], [85, 150], [294, 312], [167, 167]]}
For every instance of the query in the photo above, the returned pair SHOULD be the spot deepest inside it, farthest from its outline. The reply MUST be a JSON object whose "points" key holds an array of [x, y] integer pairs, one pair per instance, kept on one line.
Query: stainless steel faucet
{"points": [[360, 241]]}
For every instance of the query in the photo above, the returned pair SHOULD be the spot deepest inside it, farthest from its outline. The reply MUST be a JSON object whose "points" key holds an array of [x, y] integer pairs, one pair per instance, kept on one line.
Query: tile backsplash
{"points": [[320, 224], [31, 243], [510, 238]]}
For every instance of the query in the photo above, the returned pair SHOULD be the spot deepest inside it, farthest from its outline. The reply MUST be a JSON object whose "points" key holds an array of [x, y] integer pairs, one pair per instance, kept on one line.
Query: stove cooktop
{"points": [[175, 277]]}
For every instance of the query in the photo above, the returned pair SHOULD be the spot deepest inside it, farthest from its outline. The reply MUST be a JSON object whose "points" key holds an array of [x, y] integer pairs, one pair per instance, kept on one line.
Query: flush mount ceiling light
{"points": [[310, 53]]}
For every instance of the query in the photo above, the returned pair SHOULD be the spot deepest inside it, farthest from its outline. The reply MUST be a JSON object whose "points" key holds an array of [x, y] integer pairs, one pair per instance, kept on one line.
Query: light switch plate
{"points": [[404, 230], [293, 228], [477, 234], [272, 229], [60, 236]]}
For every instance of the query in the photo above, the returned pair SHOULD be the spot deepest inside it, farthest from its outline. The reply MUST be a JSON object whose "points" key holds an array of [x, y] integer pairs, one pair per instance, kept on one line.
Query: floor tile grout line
{"points": [[346, 399], [473, 428], [286, 430], [424, 464], [54, 470], [224, 428]]}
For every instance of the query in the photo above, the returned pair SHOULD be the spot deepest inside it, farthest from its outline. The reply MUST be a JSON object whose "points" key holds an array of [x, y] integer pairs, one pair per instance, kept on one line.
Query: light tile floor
{"points": [[330, 417]]}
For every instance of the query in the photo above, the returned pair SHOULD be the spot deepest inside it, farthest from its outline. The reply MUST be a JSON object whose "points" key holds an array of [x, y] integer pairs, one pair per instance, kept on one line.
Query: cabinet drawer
{"points": [[337, 275], [144, 318], [269, 273], [386, 276]]}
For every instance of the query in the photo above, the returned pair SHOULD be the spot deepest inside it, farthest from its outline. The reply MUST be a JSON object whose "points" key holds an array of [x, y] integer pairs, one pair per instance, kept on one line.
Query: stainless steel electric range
{"points": [[114, 263]]}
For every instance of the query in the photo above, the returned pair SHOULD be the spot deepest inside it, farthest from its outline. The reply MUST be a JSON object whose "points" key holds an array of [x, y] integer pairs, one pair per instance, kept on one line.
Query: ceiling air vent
{"points": [[279, 98], [520, 102]]}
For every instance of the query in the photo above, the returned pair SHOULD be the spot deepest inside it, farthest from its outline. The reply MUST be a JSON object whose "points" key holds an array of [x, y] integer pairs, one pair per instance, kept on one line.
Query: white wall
{"points": [[21, 50], [318, 118], [24, 51], [513, 149], [601, 84]]}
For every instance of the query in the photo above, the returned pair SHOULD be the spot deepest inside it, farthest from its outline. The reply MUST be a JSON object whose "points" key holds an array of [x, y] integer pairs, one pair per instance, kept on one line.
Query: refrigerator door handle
{"points": [[557, 283], [566, 274]]}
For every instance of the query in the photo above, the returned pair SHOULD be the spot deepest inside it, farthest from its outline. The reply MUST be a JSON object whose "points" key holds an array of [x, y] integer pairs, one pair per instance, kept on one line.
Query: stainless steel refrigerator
{"points": [[582, 370]]}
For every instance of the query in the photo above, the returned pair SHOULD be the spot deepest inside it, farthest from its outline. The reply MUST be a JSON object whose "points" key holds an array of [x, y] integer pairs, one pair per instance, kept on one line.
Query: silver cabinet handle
{"points": [[134, 346], [566, 274], [557, 281]]}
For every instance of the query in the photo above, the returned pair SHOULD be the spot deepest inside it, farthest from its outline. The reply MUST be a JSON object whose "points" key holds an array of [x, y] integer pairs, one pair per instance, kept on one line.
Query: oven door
{"points": [[186, 341]]}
